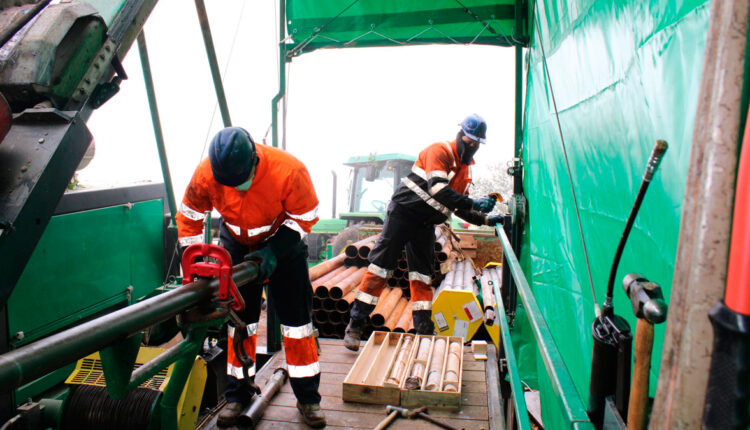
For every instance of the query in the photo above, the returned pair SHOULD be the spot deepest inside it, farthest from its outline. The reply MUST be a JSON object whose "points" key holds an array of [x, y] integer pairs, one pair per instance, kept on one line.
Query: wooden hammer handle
{"points": [[644, 342], [387, 421]]}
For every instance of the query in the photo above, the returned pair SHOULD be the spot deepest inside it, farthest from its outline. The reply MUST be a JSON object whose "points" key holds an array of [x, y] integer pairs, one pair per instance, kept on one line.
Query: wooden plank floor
{"points": [[335, 361]]}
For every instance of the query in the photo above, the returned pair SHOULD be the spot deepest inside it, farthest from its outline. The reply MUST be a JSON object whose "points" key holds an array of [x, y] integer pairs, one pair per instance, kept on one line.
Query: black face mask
{"points": [[465, 152]]}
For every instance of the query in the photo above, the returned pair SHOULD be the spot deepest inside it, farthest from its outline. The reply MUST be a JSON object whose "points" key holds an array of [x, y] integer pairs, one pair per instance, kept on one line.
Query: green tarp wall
{"points": [[623, 74]]}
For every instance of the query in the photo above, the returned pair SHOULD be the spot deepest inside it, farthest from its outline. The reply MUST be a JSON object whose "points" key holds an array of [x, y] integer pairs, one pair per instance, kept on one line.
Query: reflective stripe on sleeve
{"points": [[419, 172], [296, 227], [299, 332], [437, 187], [424, 305], [379, 271], [307, 216], [259, 230], [367, 298], [191, 213], [437, 174], [191, 240], [235, 229], [303, 371], [416, 276], [426, 197]]}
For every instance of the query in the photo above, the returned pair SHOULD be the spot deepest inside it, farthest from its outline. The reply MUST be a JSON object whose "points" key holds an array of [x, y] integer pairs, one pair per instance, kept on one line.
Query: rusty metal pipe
{"points": [[338, 290], [252, 415], [326, 267]]}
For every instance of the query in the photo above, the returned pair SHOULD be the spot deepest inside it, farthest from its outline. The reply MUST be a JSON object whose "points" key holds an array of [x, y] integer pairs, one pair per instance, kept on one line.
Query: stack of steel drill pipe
{"points": [[323, 290], [356, 253], [326, 267], [404, 323], [385, 306], [337, 290], [392, 321], [320, 282]]}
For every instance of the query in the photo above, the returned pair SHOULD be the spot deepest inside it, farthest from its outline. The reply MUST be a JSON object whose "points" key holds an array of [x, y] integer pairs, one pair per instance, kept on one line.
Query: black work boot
{"points": [[353, 334], [229, 414], [313, 415], [423, 322]]}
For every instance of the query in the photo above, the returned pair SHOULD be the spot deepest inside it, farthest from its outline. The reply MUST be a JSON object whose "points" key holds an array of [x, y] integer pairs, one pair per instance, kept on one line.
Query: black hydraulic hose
{"points": [[653, 163], [13, 28]]}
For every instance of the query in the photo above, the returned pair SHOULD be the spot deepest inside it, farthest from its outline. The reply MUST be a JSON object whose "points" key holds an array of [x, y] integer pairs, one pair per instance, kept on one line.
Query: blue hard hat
{"points": [[474, 127], [232, 156]]}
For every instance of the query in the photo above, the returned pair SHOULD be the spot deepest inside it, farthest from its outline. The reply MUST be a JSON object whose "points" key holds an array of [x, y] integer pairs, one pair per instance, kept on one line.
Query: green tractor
{"points": [[373, 180]]}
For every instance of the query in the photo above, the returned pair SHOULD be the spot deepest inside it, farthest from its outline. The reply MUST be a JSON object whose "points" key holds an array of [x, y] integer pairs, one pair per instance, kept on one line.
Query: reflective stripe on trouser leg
{"points": [[421, 295], [371, 287], [302, 362], [234, 366], [301, 354]]}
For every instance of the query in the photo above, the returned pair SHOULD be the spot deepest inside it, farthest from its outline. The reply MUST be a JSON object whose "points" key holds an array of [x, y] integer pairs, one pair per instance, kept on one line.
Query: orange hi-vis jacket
{"points": [[438, 185], [281, 193]]}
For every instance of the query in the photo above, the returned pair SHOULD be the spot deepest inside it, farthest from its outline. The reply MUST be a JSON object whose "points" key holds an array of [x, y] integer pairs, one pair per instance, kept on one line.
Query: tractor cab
{"points": [[374, 178]]}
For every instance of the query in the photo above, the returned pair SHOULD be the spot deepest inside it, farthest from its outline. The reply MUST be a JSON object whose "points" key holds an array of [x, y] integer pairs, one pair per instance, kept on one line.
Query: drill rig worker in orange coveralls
{"points": [[436, 188], [268, 204]]}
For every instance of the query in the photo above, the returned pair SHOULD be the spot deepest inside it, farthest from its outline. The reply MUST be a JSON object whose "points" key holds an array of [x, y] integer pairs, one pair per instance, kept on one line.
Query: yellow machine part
{"points": [[494, 332], [457, 313], [89, 371]]}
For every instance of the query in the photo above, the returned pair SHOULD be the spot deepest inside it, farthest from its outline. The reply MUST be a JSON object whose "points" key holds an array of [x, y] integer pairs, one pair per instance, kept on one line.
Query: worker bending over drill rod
{"points": [[437, 186], [268, 204]]}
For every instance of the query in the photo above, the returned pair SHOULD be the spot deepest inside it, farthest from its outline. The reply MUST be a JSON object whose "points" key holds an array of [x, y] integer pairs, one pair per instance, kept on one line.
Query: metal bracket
{"points": [[91, 78]]}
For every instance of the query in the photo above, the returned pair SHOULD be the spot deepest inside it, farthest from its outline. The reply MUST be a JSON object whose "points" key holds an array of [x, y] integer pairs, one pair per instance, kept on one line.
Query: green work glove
{"points": [[266, 260], [483, 204], [495, 219]]}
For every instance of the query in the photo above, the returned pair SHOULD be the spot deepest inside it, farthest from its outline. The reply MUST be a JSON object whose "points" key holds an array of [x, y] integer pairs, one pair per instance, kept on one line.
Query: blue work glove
{"points": [[266, 260], [484, 204], [495, 219]]}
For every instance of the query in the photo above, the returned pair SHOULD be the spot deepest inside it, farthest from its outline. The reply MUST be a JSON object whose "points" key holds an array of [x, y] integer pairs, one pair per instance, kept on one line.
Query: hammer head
{"points": [[401, 411], [646, 298]]}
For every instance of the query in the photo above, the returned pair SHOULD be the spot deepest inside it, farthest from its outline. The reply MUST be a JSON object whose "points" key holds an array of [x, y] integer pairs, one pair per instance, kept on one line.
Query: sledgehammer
{"points": [[649, 308]]}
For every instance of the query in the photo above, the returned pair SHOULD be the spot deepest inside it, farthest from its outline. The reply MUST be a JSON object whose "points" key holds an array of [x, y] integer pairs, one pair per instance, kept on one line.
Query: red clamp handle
{"points": [[222, 269]]}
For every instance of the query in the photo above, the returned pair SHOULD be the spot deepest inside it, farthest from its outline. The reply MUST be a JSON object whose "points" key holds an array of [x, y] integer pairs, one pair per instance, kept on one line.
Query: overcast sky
{"points": [[340, 102]]}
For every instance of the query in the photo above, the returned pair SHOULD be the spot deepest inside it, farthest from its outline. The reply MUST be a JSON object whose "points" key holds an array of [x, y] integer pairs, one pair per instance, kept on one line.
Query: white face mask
{"points": [[246, 185]]}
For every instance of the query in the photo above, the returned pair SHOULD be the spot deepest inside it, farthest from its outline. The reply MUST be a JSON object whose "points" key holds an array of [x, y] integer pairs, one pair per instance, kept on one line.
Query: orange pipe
{"points": [[379, 316], [737, 296], [346, 285], [396, 315], [326, 266]]}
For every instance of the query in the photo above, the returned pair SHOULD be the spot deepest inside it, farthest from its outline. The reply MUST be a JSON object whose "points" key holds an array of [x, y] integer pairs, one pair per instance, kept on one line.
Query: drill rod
{"points": [[31, 361]]}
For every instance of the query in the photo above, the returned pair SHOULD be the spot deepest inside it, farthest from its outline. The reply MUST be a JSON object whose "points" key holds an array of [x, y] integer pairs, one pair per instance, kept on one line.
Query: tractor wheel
{"points": [[345, 237]]}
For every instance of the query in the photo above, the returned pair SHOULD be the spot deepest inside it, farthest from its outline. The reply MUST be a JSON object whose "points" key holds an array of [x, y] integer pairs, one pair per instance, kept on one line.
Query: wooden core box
{"points": [[407, 370]]}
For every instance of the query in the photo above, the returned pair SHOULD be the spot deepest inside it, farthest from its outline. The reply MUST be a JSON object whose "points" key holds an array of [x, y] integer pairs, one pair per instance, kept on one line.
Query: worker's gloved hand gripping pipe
{"points": [[277, 247], [483, 204]]}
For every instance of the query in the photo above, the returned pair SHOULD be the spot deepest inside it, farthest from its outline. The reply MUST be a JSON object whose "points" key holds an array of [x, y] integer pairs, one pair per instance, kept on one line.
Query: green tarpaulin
{"points": [[314, 24], [623, 74]]}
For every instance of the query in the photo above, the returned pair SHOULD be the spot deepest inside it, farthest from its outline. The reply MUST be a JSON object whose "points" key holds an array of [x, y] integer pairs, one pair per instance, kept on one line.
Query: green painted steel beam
{"points": [[570, 401], [519, 401], [156, 123]]}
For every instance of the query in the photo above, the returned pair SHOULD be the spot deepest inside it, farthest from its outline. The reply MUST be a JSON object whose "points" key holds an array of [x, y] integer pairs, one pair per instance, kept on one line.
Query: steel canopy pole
{"points": [[282, 76], [200, 7], [147, 78]]}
